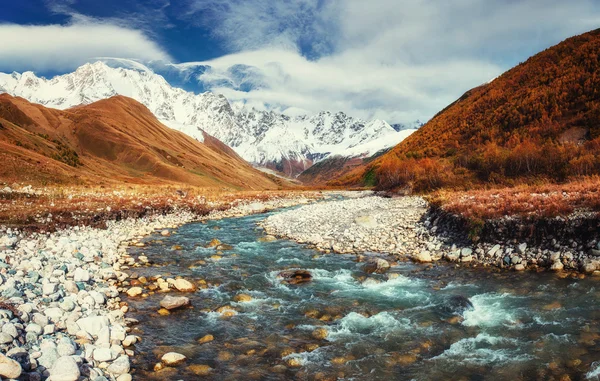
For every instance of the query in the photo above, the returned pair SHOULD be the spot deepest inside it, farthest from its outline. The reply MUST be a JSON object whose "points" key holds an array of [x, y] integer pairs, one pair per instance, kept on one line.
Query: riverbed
{"points": [[400, 325]]}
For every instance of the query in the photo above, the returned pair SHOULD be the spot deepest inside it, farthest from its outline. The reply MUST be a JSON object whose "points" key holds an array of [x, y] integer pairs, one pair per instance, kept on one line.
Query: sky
{"points": [[397, 60]]}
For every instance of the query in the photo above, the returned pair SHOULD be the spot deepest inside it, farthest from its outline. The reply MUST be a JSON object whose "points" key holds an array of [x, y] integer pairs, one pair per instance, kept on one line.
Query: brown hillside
{"points": [[115, 140], [538, 121]]}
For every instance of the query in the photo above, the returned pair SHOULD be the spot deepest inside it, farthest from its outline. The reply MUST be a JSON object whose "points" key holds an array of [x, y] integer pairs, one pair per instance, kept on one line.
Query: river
{"points": [[402, 325]]}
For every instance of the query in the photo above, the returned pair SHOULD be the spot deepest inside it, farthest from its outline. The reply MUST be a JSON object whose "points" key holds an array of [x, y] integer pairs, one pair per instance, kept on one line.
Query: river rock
{"points": [[49, 357], [49, 288], [10, 329], [267, 238], [172, 302], [5, 338], [466, 252], [9, 368], [120, 366], [81, 275], [242, 298], [423, 257], [65, 369], [213, 243], [102, 354], [557, 266], [93, 324], [200, 369], [496, 249], [135, 291], [184, 285], [206, 339], [320, 333], [295, 276], [172, 358], [376, 265], [589, 266]]}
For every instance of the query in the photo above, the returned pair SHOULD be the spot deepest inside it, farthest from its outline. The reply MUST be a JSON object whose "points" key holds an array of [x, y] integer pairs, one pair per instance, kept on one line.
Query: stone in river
{"points": [[458, 304], [295, 276], [320, 333], [241, 298], [134, 291], [172, 302], [165, 233], [172, 358], [65, 369], [213, 243], [376, 265], [184, 285], [206, 339], [200, 369], [423, 257], [557, 265], [267, 238], [9, 368]]}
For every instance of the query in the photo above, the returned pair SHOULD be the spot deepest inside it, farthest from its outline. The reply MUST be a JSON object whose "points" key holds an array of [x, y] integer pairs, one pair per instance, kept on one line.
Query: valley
{"points": [[152, 233]]}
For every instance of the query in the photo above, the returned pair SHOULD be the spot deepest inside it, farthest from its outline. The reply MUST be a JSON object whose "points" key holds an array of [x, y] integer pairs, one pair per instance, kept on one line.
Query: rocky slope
{"points": [[287, 144], [112, 141], [538, 121]]}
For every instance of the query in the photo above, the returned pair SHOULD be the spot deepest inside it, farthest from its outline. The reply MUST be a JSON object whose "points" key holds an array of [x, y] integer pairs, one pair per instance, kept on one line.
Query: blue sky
{"points": [[398, 60]]}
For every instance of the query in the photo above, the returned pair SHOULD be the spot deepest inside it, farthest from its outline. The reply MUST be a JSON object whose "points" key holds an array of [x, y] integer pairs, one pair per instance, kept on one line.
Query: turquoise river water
{"points": [[396, 326]]}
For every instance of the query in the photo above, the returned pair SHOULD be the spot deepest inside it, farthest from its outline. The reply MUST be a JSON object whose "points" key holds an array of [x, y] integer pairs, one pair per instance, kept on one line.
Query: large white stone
{"points": [[119, 366], [65, 369], [93, 324], [172, 358], [81, 275]]}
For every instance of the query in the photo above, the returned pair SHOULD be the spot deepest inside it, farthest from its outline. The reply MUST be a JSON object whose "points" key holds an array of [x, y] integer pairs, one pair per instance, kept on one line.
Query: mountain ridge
{"points": [[265, 138], [539, 121], [114, 140]]}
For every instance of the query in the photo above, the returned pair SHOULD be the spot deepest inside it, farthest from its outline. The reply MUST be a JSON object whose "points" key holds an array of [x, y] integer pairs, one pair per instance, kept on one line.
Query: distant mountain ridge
{"points": [[270, 139]]}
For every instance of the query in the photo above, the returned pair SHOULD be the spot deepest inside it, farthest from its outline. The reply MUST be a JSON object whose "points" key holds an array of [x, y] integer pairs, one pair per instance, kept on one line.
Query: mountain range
{"points": [[288, 144], [114, 140]]}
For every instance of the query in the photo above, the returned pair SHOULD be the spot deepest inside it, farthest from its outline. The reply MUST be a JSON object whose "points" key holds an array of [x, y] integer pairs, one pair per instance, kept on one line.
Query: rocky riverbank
{"points": [[407, 227], [61, 316]]}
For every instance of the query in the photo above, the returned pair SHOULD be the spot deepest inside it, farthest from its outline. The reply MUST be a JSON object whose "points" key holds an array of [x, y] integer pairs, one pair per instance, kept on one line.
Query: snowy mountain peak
{"points": [[267, 138]]}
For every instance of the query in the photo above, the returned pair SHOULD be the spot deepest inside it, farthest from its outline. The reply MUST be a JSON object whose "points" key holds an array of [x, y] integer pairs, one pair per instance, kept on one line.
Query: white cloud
{"points": [[351, 83], [391, 59], [65, 47]]}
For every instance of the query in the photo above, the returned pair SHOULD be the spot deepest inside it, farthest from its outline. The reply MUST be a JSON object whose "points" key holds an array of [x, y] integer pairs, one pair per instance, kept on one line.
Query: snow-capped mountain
{"points": [[274, 140]]}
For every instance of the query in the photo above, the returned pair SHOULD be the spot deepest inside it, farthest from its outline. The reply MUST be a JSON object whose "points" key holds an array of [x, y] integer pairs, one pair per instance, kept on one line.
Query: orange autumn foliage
{"points": [[536, 123]]}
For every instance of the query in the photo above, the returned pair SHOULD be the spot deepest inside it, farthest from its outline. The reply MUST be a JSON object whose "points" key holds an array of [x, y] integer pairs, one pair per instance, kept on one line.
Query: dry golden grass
{"points": [[532, 201], [55, 207]]}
